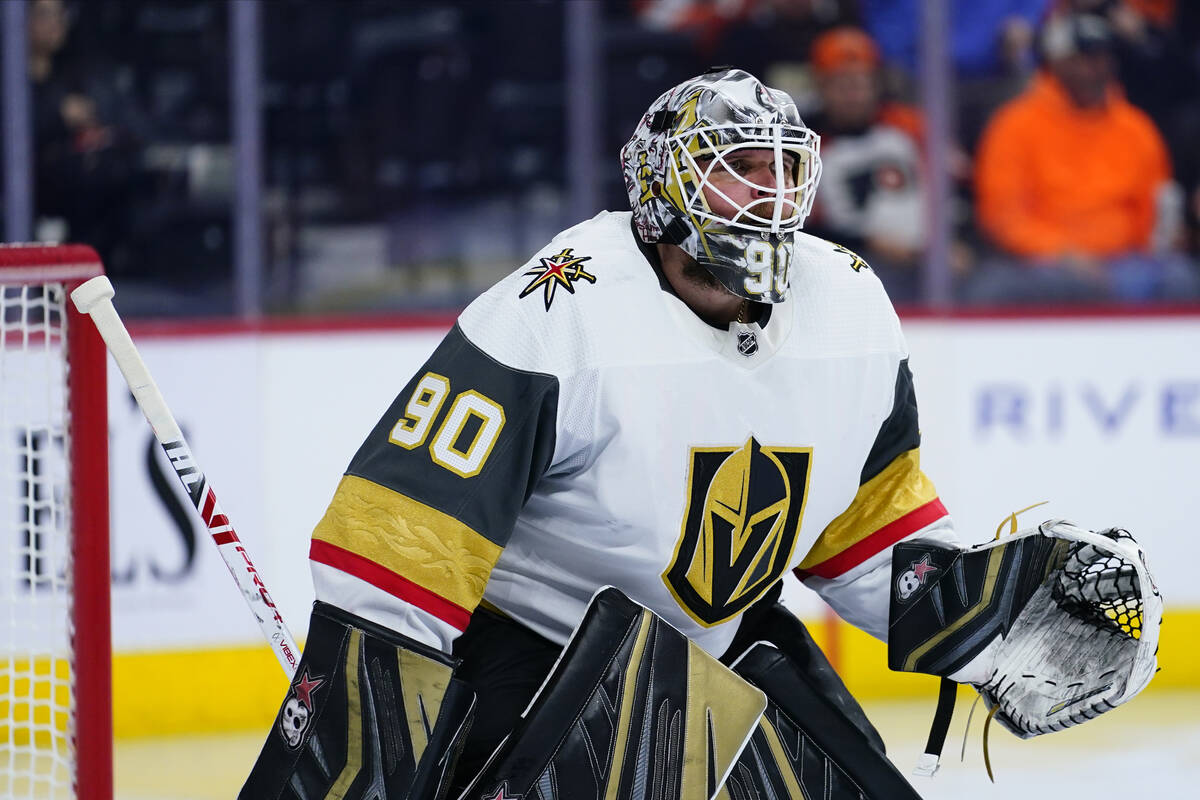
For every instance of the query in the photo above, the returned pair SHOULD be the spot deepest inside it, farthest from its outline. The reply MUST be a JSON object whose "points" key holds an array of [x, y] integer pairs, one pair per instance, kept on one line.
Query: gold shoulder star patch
{"points": [[856, 261], [562, 270]]}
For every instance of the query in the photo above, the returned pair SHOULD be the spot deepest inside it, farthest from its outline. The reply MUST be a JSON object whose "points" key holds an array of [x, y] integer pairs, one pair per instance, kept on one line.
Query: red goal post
{"points": [[55, 645]]}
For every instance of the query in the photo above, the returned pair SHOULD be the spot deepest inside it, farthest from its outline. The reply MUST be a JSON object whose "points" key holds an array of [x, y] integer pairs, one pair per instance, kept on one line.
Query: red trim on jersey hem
{"points": [[394, 584], [878, 541]]}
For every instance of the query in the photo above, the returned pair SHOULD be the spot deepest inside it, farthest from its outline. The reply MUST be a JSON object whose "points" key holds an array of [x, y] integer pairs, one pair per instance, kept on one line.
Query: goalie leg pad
{"points": [[805, 744], [370, 713], [631, 709], [770, 621]]}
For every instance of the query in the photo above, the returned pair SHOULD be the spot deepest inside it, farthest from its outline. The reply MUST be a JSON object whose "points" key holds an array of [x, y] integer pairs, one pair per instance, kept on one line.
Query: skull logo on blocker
{"points": [[913, 579], [298, 709]]}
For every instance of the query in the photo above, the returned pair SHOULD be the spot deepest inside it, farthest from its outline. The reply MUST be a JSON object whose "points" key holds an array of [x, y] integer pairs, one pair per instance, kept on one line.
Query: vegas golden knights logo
{"points": [[744, 511]]}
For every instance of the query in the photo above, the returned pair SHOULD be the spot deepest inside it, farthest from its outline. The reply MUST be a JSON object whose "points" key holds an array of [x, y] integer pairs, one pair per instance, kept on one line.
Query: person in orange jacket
{"points": [[1075, 181]]}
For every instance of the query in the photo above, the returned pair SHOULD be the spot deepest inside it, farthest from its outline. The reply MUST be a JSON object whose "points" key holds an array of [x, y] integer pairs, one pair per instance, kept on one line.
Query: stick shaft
{"points": [[95, 299]]}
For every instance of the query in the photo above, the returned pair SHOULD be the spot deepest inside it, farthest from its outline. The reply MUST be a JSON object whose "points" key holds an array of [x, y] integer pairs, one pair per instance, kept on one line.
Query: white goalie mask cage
{"points": [[1087, 640], [690, 135], [702, 151]]}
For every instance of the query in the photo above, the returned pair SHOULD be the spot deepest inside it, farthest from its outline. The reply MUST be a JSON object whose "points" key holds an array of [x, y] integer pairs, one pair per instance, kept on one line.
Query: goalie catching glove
{"points": [[1054, 625]]}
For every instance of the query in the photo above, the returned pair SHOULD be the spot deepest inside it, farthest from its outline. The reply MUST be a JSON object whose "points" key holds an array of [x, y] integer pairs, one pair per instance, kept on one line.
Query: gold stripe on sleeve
{"points": [[899, 489], [421, 544]]}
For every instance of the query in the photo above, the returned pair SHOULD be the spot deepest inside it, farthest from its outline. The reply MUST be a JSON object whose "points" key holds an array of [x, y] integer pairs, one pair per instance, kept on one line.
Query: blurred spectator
{"points": [[870, 197], [991, 50], [1157, 58], [986, 36], [1146, 48], [753, 34], [88, 154], [1071, 178]]}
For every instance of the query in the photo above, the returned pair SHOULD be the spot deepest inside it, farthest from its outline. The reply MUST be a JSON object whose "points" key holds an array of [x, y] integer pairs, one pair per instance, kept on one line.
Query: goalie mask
{"points": [[687, 148]]}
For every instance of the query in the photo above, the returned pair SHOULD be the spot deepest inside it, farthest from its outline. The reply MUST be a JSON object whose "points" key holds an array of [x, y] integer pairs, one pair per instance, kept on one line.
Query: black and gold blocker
{"points": [[370, 714]]}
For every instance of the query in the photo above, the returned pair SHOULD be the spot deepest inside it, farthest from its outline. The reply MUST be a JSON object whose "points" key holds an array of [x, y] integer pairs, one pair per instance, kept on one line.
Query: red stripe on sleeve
{"points": [[394, 584], [877, 542]]}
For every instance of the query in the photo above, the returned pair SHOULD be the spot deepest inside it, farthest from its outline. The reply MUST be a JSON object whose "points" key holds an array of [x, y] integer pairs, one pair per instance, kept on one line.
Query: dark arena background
{"points": [[295, 198]]}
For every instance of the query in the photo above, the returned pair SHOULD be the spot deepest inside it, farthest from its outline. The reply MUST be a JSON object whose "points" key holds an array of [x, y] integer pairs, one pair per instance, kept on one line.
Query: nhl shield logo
{"points": [[747, 343], [745, 505]]}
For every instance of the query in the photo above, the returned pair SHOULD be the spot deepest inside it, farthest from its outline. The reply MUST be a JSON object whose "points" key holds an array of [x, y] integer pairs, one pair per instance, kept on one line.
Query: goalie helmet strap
{"points": [[947, 694]]}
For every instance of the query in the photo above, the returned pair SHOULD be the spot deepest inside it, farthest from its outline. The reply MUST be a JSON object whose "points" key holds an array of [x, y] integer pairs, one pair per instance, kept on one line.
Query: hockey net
{"points": [[55, 651]]}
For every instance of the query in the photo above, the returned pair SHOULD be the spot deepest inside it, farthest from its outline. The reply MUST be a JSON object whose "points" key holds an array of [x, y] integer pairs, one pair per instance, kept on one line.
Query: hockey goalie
{"points": [[552, 569]]}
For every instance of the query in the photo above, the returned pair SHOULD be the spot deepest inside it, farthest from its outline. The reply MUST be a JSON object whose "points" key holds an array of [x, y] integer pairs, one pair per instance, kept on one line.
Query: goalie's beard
{"points": [[694, 273]]}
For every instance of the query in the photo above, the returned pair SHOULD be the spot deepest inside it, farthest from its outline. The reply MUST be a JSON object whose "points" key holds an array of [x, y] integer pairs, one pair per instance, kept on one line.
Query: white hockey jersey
{"points": [[581, 427]]}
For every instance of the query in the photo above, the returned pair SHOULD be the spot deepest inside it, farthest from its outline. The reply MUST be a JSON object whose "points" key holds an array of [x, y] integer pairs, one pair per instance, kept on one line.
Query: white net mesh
{"points": [[36, 717]]}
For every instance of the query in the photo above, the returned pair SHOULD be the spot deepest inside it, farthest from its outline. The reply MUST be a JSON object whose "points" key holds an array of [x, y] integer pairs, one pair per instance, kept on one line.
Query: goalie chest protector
{"points": [[691, 466]]}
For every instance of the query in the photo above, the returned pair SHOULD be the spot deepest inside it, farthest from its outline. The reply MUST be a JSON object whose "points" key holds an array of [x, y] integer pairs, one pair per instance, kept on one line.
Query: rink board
{"points": [[1098, 415]]}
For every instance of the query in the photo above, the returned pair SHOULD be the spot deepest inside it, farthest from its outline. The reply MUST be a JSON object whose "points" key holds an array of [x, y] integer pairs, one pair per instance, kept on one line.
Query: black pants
{"points": [[505, 663]]}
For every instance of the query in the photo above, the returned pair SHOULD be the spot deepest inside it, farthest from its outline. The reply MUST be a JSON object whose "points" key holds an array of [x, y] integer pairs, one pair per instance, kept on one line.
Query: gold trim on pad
{"points": [[721, 703], [628, 689], [354, 722]]}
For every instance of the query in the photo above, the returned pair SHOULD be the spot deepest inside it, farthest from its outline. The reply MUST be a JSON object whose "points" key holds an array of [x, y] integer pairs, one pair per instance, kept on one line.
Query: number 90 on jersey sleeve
{"points": [[468, 436], [469, 428]]}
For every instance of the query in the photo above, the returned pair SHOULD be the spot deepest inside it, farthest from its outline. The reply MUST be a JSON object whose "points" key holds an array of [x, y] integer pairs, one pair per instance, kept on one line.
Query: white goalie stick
{"points": [[94, 298]]}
